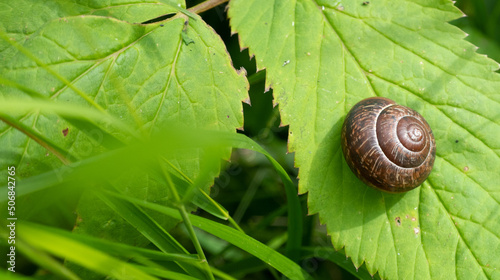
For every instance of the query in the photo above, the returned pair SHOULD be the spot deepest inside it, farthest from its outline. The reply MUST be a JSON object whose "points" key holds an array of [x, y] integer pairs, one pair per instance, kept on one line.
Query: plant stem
{"points": [[207, 5], [187, 222], [196, 242]]}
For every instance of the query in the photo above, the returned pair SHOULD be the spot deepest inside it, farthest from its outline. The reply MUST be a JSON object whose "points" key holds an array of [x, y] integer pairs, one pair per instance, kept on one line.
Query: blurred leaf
{"points": [[322, 57]]}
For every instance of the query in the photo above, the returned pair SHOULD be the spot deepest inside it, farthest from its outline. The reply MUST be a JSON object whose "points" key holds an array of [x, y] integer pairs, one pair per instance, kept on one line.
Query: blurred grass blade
{"points": [[7, 275], [122, 250], [150, 229], [80, 253], [164, 274], [36, 136], [89, 128], [284, 265], [16, 106], [41, 258], [104, 167]]}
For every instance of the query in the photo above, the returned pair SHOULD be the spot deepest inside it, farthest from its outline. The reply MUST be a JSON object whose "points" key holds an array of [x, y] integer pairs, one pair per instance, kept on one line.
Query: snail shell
{"points": [[388, 146]]}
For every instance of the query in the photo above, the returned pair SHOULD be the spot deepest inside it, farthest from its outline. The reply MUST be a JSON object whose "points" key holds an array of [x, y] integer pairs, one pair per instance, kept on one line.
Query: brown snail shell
{"points": [[388, 146]]}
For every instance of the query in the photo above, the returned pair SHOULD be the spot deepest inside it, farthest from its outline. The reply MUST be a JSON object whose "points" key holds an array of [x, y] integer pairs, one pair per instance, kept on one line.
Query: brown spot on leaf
{"points": [[466, 168], [398, 221], [65, 131]]}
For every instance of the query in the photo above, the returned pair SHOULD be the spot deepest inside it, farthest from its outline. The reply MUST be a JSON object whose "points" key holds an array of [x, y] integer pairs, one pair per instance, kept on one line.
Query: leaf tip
{"points": [[242, 70], [268, 88], [247, 101]]}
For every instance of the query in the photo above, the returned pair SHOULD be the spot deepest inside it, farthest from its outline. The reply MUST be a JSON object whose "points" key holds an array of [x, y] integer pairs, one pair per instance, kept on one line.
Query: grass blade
{"points": [[284, 265]]}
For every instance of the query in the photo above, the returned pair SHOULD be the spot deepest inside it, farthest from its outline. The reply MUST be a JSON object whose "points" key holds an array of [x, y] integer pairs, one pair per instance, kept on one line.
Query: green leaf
{"points": [[26, 17], [94, 56], [322, 57]]}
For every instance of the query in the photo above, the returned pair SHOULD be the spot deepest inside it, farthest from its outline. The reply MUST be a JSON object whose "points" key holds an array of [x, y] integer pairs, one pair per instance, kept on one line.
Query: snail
{"points": [[388, 146]]}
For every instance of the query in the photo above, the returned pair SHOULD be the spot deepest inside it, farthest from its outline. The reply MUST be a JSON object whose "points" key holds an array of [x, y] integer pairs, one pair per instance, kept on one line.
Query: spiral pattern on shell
{"points": [[388, 146]]}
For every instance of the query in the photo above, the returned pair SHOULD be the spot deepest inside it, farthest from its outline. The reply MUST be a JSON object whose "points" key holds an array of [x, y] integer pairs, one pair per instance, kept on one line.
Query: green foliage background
{"points": [[129, 80]]}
